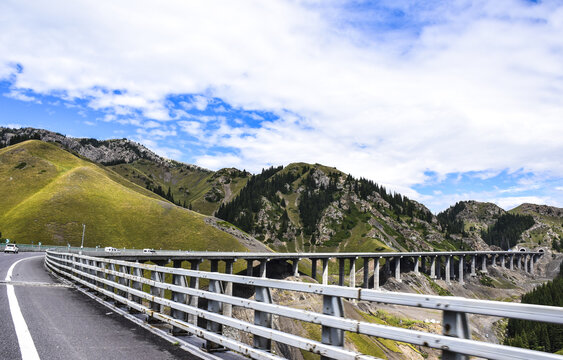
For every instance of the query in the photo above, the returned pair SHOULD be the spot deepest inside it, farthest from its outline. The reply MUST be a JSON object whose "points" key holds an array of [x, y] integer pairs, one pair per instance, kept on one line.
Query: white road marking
{"points": [[27, 346]]}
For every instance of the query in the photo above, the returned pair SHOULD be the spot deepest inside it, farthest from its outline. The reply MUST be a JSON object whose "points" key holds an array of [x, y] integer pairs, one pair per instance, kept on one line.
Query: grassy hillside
{"points": [[47, 194], [199, 189]]}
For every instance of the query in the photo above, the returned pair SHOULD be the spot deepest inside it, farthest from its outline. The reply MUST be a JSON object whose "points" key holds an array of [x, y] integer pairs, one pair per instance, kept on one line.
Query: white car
{"points": [[11, 248], [148, 251], [110, 249]]}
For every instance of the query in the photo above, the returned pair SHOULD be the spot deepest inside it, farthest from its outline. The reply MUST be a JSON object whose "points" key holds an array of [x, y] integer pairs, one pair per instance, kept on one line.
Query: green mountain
{"points": [[305, 207], [47, 194]]}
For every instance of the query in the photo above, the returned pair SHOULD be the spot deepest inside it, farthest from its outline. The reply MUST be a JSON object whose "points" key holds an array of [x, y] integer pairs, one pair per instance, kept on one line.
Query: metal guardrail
{"points": [[123, 281]]}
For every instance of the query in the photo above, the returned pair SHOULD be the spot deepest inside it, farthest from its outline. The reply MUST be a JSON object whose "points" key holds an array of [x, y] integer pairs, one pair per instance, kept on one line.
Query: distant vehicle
{"points": [[148, 251], [11, 248], [110, 249]]}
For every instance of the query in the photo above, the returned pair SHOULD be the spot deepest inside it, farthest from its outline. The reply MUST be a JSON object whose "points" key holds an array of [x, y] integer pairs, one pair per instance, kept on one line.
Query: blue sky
{"points": [[441, 101]]}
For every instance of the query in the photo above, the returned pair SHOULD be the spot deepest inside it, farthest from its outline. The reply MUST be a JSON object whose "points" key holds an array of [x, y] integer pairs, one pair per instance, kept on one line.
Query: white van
{"points": [[110, 249], [148, 251]]}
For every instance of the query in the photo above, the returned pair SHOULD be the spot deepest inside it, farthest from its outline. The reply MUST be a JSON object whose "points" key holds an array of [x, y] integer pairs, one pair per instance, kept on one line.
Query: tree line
{"points": [[536, 335], [507, 230]]}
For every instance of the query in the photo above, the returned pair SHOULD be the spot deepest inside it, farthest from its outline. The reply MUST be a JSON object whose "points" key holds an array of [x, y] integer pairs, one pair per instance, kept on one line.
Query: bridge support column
{"points": [[473, 257], [352, 276], [179, 280], [484, 264], [532, 264], [194, 284], [215, 307], [502, 262], [367, 261], [511, 262], [460, 269], [518, 262], [249, 267], [295, 267], [341, 274], [376, 273], [398, 268], [228, 285], [433, 268], [263, 268], [438, 267], [314, 269], [325, 271], [416, 264], [526, 269], [123, 281], [494, 260], [452, 268], [447, 270]]}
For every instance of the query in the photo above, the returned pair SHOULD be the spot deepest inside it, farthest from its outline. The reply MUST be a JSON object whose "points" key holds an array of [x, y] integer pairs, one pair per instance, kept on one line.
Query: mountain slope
{"points": [[187, 185], [305, 207], [48, 193]]}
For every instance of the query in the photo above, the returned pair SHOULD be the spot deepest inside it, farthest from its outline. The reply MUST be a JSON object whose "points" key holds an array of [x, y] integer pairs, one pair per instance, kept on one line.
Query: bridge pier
{"points": [[519, 262], [398, 268], [433, 268], [416, 264], [452, 268], [295, 267], [484, 264], [526, 269], [494, 260], [228, 285], [473, 260], [341, 267], [439, 267], [158, 292], [352, 275], [314, 269], [447, 270], [376, 274], [502, 261], [460, 269], [532, 264], [325, 271], [365, 285], [511, 262], [249, 267]]}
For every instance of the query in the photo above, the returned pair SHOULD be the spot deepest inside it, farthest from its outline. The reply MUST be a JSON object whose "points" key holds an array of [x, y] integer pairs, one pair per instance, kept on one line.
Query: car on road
{"points": [[11, 248], [110, 249], [149, 251]]}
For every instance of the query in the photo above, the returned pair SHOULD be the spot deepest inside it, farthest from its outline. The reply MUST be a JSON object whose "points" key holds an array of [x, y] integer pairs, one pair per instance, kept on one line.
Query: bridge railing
{"points": [[125, 283]]}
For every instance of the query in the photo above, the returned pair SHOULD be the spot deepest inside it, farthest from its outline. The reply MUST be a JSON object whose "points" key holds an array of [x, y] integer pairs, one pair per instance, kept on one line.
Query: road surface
{"points": [[62, 323]]}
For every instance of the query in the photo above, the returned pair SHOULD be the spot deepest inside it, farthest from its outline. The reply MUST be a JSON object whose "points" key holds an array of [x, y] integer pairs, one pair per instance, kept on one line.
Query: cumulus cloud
{"points": [[464, 86]]}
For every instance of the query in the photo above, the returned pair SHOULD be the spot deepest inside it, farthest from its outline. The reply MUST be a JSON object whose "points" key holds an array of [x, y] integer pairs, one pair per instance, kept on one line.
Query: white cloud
{"points": [[19, 95], [477, 90]]}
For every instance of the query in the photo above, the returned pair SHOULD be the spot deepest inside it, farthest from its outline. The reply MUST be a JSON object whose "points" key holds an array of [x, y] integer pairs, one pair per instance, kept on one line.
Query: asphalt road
{"points": [[65, 324]]}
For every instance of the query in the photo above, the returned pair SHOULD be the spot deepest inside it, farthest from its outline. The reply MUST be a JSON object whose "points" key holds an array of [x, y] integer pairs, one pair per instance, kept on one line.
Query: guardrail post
{"points": [[341, 271], [365, 285], [156, 276], [325, 271], [484, 263], [295, 267], [214, 306], [194, 284], [138, 272], [332, 305], [447, 270], [398, 268], [433, 267], [263, 318], [179, 280], [352, 277], [455, 324], [473, 273], [228, 285], [460, 269]]}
